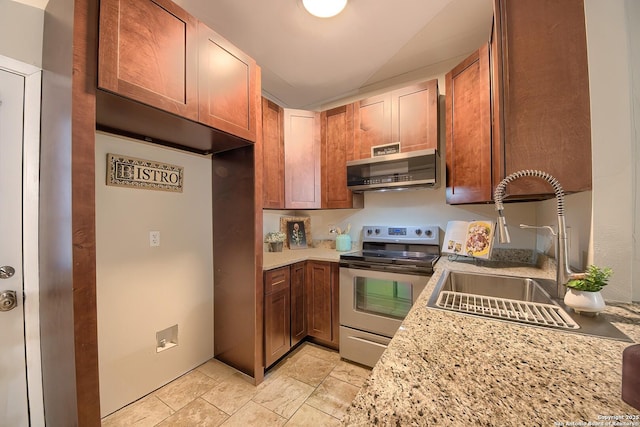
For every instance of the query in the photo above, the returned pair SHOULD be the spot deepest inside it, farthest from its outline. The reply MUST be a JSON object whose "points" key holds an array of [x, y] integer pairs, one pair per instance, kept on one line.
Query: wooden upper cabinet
{"points": [[337, 142], [227, 86], [414, 118], [273, 155], [468, 130], [372, 124], [544, 87], [148, 52], [408, 115], [528, 108], [302, 159]]}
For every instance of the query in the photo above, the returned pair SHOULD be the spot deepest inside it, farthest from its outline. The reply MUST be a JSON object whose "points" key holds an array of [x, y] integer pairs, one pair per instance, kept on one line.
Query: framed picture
{"points": [[296, 235], [298, 231]]}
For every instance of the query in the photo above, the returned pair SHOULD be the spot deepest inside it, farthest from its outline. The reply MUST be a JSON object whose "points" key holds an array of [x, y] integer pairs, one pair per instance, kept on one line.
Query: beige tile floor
{"points": [[310, 387]]}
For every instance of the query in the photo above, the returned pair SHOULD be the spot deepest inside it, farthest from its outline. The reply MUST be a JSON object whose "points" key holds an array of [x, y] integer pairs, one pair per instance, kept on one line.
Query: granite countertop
{"points": [[444, 368], [289, 256]]}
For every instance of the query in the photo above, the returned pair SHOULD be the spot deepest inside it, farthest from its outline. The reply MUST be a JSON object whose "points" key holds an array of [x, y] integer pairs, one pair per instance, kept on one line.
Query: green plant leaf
{"points": [[594, 280]]}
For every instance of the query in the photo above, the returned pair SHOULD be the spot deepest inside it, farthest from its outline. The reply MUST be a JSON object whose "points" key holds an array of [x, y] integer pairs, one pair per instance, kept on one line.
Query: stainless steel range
{"points": [[379, 285]]}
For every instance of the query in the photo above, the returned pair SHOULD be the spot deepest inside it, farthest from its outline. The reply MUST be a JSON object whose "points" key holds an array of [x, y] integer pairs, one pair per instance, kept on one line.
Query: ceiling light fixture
{"points": [[324, 8]]}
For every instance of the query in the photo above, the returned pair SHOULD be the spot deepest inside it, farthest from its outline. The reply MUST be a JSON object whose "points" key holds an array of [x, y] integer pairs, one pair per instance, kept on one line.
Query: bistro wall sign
{"points": [[126, 171]]}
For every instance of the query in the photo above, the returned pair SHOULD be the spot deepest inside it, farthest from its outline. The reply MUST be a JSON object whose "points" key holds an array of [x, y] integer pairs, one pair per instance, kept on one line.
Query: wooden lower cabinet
{"points": [[300, 302], [277, 314], [322, 302], [298, 317]]}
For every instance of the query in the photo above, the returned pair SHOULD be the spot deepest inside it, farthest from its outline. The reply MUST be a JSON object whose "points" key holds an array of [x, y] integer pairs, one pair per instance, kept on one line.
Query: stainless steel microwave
{"points": [[413, 169]]}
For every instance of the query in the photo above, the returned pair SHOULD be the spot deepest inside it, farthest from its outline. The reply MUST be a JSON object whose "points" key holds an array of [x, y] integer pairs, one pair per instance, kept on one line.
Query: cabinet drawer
{"points": [[276, 280], [360, 346]]}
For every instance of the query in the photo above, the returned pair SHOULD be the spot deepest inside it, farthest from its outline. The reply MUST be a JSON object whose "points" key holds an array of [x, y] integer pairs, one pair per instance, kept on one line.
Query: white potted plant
{"points": [[275, 239], [583, 295]]}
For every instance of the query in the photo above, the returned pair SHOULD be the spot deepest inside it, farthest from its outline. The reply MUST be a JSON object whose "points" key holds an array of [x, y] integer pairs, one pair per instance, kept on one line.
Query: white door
{"points": [[13, 375]]}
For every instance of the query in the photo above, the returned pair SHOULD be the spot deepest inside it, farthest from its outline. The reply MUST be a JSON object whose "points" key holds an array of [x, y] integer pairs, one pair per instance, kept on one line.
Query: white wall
{"points": [[21, 29], [412, 207], [613, 142], [633, 27], [577, 208], [143, 289], [417, 207]]}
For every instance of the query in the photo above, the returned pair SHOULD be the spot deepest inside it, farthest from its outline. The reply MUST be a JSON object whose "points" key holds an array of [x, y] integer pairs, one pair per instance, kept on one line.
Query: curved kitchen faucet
{"points": [[563, 271]]}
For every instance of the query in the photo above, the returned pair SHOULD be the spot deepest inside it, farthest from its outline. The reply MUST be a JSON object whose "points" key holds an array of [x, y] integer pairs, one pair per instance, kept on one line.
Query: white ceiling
{"points": [[308, 61]]}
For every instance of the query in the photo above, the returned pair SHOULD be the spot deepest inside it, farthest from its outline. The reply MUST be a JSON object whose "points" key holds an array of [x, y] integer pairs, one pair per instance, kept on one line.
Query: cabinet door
{"points": [[545, 84], [298, 318], [227, 88], [468, 130], [302, 159], [319, 300], [337, 148], [277, 329], [148, 53], [414, 116], [273, 155], [372, 124], [277, 313]]}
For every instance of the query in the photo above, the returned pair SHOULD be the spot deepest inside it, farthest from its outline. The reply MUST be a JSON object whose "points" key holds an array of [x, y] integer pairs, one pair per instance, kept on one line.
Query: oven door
{"points": [[377, 301]]}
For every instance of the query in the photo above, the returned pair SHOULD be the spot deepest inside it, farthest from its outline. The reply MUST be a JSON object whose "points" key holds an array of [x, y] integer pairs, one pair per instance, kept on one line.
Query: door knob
{"points": [[6, 271], [8, 300]]}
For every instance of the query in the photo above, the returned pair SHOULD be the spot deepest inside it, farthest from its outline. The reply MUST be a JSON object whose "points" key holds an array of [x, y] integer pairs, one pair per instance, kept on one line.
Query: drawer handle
{"points": [[368, 341]]}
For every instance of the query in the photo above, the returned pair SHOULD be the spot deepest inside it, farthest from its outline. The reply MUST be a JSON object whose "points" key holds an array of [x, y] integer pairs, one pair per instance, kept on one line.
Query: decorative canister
{"points": [[275, 246], [343, 242]]}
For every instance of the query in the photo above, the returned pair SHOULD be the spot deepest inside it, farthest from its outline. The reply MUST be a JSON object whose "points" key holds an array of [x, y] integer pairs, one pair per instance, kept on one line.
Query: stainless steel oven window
{"points": [[383, 297]]}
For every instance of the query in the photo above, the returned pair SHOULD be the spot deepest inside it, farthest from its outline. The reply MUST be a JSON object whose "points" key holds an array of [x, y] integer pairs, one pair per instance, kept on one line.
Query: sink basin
{"points": [[507, 287], [514, 299], [508, 298]]}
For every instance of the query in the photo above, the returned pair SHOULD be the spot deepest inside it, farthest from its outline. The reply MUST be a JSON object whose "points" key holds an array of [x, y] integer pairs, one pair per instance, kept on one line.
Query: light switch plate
{"points": [[154, 238]]}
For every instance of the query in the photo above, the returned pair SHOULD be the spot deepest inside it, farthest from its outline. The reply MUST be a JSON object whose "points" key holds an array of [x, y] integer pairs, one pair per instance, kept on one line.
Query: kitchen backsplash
{"points": [[428, 207]]}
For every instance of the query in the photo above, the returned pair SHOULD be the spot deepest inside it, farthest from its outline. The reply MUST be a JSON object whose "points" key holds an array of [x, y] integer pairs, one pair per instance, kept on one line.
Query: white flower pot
{"points": [[583, 301]]}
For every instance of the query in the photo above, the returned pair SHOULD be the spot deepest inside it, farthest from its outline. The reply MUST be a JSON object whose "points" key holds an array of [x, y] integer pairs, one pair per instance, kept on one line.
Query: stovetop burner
{"points": [[414, 249]]}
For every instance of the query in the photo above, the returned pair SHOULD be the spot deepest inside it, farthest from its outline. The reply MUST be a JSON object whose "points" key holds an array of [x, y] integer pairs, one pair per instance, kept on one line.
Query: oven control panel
{"points": [[426, 234]]}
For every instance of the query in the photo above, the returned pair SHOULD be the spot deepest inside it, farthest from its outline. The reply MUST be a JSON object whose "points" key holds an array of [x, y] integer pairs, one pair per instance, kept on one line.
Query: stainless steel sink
{"points": [[514, 299], [507, 287]]}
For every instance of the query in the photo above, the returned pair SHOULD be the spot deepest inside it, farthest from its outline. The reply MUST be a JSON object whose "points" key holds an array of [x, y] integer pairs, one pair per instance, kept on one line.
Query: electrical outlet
{"points": [[154, 238]]}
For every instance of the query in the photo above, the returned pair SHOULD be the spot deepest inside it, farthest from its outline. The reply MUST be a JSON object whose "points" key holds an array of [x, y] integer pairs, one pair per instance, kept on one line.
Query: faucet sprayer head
{"points": [[503, 232]]}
